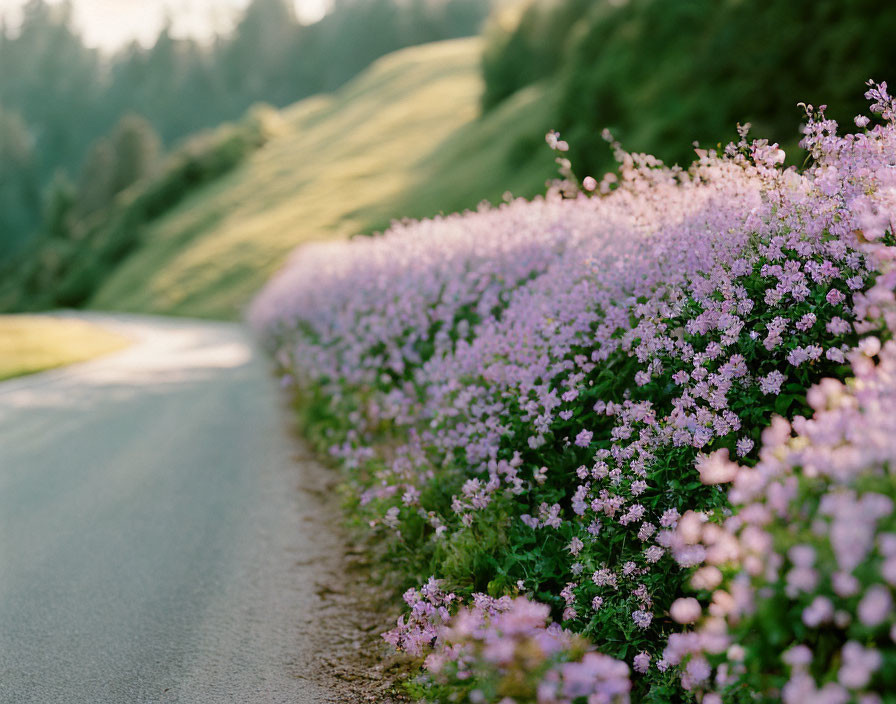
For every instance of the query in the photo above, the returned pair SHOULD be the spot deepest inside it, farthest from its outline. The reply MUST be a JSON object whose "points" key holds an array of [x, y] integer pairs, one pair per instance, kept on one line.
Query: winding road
{"points": [[153, 546]]}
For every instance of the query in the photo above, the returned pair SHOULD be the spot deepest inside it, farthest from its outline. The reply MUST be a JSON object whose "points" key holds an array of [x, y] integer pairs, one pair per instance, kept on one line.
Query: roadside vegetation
{"points": [[432, 129], [629, 441], [621, 435], [30, 344], [90, 231], [662, 75], [63, 102]]}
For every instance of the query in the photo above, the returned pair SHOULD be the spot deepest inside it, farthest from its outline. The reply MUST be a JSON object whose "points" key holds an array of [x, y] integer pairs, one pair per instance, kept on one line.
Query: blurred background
{"points": [[165, 156]]}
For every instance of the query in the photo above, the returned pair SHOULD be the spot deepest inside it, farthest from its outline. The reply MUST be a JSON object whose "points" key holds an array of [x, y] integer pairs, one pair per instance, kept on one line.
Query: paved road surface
{"points": [[150, 537]]}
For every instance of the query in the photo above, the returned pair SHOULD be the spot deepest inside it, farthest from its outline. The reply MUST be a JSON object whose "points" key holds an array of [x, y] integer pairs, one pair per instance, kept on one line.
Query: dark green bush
{"points": [[66, 271], [520, 52], [663, 74]]}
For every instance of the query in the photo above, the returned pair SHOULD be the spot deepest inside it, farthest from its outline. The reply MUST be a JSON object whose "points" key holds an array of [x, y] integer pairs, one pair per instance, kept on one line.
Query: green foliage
{"points": [[136, 147], [65, 266], [129, 154], [69, 95], [499, 550], [19, 196], [95, 183], [59, 203], [53, 81], [522, 51], [661, 75], [502, 152]]}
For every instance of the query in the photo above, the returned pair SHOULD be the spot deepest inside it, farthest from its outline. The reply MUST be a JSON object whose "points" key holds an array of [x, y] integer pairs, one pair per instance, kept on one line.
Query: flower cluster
{"points": [[418, 632], [811, 547], [549, 396], [506, 651]]}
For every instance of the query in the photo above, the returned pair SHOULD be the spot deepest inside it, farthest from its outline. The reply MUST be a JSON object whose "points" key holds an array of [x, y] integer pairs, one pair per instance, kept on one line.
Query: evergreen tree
{"points": [[95, 189], [136, 148], [19, 195], [54, 82], [59, 204], [257, 58], [64, 95]]}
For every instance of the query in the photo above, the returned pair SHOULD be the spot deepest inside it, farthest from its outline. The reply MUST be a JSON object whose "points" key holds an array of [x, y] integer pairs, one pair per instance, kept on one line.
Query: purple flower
{"points": [[604, 578], [642, 618], [583, 439], [744, 445], [670, 518], [876, 606], [641, 662], [835, 297], [771, 383], [653, 553]]}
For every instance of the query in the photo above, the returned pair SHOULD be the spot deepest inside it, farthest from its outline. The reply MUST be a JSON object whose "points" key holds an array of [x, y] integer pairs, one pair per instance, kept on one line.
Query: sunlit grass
{"points": [[502, 152], [30, 344], [336, 156], [404, 139]]}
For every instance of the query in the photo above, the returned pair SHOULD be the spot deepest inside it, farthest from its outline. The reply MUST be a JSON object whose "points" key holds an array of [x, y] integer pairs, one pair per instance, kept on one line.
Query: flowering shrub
{"points": [[505, 650], [544, 398], [798, 582]]}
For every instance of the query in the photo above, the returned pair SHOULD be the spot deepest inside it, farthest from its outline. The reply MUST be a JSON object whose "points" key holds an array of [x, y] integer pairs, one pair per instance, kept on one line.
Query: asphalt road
{"points": [[152, 547]]}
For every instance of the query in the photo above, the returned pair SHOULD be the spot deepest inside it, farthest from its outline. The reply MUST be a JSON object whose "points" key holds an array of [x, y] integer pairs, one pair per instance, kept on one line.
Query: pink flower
{"points": [[819, 611], [669, 518], [698, 669], [653, 553], [708, 578], [604, 578], [797, 656], [716, 468], [685, 610], [876, 606], [575, 546], [858, 664], [744, 445]]}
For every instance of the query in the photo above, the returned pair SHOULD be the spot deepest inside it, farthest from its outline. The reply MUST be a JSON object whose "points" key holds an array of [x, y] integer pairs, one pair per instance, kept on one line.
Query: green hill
{"points": [[403, 139]]}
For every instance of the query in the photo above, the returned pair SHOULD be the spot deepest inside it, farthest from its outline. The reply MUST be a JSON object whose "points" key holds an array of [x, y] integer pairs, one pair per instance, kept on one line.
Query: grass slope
{"points": [[403, 139], [502, 152], [30, 344]]}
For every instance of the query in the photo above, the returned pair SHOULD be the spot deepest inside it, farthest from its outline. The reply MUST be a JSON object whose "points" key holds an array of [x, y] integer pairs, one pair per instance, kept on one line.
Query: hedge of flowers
{"points": [[597, 408]]}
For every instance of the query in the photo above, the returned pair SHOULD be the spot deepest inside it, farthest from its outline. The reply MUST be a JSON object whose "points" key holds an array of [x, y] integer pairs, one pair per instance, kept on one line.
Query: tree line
{"points": [[79, 126], [663, 74]]}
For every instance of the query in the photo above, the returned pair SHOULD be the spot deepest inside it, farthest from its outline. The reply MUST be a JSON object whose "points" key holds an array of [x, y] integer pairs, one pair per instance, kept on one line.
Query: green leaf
{"points": [[784, 402]]}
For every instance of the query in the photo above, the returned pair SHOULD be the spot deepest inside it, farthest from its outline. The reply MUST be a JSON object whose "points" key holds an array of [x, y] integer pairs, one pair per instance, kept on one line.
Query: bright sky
{"points": [[109, 24]]}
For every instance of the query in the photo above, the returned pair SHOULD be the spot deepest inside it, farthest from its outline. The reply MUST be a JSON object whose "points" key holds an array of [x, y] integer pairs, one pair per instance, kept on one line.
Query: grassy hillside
{"points": [[402, 139], [504, 151]]}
